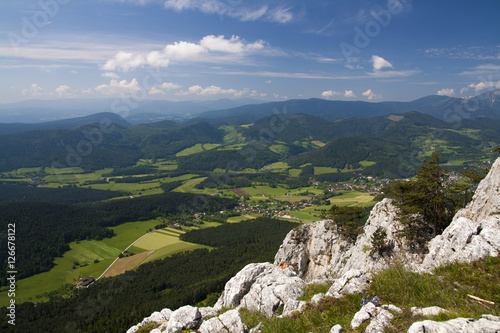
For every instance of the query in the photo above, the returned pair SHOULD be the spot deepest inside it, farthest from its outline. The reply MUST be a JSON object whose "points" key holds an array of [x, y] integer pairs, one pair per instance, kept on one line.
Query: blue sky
{"points": [[268, 50]]}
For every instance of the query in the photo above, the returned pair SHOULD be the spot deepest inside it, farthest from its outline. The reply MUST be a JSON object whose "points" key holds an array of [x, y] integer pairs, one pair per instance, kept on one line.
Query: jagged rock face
{"points": [[308, 249], [264, 288], [240, 284], [317, 253], [487, 324], [228, 322], [352, 282], [474, 232], [184, 318]]}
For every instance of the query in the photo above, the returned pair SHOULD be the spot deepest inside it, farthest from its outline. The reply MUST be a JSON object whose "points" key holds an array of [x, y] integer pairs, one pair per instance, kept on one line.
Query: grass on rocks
{"points": [[448, 287]]}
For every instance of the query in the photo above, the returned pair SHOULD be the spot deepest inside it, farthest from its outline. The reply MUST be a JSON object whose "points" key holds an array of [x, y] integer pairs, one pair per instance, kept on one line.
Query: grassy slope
{"points": [[447, 288]]}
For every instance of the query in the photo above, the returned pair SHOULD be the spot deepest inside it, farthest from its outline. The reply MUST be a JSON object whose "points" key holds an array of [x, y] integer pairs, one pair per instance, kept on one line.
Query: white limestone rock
{"points": [[207, 312], [307, 249], [292, 306], [156, 317], [363, 315], [352, 282], [166, 313], [273, 289], [474, 232], [184, 318], [428, 311], [379, 318], [337, 329], [228, 322], [463, 325], [317, 253], [240, 284], [391, 308], [317, 298]]}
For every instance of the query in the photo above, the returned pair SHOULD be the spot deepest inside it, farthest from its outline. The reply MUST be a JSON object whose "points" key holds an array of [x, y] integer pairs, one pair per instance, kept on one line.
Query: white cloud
{"points": [[330, 93], [484, 85], [118, 88], [446, 92], [233, 45], [111, 75], [210, 48], [349, 94], [62, 90], [156, 91], [212, 91], [281, 15], [33, 90], [169, 86], [268, 82], [125, 61], [379, 62], [371, 95], [394, 73], [463, 90], [233, 9]]}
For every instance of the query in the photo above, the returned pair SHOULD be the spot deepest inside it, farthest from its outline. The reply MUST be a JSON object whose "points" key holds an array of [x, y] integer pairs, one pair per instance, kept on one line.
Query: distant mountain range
{"points": [[243, 111], [449, 109], [70, 123], [35, 111]]}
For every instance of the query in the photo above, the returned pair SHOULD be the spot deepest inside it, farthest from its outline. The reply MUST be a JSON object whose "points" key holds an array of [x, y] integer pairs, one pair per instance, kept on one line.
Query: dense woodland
{"points": [[115, 304], [44, 229], [66, 195]]}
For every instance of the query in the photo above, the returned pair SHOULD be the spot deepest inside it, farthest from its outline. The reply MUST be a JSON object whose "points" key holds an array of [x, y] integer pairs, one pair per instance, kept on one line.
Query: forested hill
{"points": [[96, 147]]}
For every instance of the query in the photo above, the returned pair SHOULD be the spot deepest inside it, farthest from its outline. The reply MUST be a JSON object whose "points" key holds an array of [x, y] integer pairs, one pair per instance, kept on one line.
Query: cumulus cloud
{"points": [[33, 90], [212, 91], [446, 92], [330, 93], [156, 91], [118, 88], [111, 75], [349, 94], [169, 86], [379, 62], [485, 85], [233, 9], [371, 95], [124, 61], [232, 45], [208, 49], [62, 90]]}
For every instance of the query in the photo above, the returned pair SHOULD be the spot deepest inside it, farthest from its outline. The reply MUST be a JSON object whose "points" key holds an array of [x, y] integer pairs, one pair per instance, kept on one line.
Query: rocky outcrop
{"points": [[379, 318], [228, 322], [352, 282], [263, 287], [474, 232], [317, 253], [184, 318], [487, 324]]}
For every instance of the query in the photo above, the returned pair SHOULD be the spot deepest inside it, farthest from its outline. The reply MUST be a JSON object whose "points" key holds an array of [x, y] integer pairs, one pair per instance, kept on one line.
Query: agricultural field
{"points": [[91, 258], [198, 148]]}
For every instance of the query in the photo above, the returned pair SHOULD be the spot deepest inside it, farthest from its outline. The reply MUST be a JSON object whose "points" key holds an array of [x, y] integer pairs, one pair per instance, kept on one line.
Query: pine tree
{"points": [[425, 206]]}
